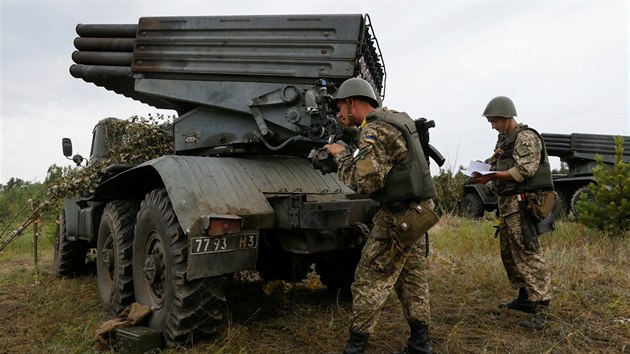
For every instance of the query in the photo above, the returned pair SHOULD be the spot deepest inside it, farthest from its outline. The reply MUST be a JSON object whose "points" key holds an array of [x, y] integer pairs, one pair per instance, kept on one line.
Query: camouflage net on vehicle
{"points": [[131, 141]]}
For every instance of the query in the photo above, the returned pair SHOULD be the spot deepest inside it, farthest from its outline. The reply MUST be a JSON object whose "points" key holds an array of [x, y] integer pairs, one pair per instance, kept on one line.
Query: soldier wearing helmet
{"points": [[389, 165], [522, 181]]}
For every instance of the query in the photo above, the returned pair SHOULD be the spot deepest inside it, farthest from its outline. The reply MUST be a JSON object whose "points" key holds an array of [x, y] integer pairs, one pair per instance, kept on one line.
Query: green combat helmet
{"points": [[355, 87], [500, 106]]}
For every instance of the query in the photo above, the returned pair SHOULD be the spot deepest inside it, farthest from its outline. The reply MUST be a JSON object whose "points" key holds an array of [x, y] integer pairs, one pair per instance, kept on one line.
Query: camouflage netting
{"points": [[137, 140], [130, 142]]}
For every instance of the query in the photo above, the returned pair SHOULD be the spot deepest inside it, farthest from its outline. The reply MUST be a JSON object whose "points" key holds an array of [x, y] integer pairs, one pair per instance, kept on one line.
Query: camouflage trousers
{"points": [[382, 269], [525, 269]]}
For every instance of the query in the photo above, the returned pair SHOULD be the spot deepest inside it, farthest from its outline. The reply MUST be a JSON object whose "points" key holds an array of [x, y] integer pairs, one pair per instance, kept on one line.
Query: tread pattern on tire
{"points": [[196, 307], [69, 256], [123, 218], [472, 206]]}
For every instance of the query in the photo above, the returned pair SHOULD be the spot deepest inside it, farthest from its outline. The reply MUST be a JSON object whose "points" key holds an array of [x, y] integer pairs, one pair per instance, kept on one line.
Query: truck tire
{"points": [[114, 271], [68, 256], [562, 209], [183, 310], [472, 206], [336, 270], [577, 196], [274, 263]]}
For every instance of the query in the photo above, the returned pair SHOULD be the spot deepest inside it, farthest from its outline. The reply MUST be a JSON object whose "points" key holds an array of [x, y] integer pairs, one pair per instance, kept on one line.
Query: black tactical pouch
{"points": [[541, 207], [528, 227], [413, 222]]}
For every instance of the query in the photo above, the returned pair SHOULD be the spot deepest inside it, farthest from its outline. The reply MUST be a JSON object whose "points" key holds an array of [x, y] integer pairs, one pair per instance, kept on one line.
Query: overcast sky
{"points": [[564, 64]]}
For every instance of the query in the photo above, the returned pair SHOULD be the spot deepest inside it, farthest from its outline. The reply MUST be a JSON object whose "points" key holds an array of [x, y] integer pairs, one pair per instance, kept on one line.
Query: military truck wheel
{"points": [[114, 271], [68, 256], [472, 206], [562, 209], [577, 196], [336, 270], [184, 310]]}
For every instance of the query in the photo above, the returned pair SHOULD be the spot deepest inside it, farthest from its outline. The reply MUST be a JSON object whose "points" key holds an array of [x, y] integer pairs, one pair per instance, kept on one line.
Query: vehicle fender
{"points": [[483, 191], [199, 186], [569, 185]]}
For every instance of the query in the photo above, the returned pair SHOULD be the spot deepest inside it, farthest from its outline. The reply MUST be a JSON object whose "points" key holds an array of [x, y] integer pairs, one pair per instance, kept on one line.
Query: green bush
{"points": [[15, 195], [610, 209], [449, 190]]}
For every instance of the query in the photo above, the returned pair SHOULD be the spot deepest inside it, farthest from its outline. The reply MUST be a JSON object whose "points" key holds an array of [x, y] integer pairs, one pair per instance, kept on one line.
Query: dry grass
{"points": [[590, 310]]}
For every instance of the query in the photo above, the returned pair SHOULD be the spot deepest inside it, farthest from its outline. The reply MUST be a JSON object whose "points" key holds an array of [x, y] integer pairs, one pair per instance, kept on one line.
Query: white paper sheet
{"points": [[478, 167]]}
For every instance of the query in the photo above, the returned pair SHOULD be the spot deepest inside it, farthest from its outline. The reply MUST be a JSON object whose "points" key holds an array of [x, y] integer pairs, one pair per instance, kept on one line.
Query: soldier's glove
{"points": [[322, 160], [349, 134]]}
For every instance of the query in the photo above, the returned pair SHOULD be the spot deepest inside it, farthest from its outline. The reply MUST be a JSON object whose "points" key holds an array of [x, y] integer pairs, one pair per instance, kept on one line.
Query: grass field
{"points": [[590, 310]]}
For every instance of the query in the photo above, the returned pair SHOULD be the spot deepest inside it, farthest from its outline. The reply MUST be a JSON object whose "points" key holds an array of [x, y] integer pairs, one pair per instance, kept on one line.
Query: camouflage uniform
{"points": [[525, 269], [382, 267]]}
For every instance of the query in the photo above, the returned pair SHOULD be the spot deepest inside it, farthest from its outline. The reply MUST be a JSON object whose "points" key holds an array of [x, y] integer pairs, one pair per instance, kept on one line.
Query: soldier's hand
{"points": [[322, 160], [483, 179], [334, 149]]}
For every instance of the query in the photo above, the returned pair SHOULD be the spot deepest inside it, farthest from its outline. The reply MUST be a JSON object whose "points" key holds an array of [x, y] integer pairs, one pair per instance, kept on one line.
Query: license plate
{"points": [[218, 244]]}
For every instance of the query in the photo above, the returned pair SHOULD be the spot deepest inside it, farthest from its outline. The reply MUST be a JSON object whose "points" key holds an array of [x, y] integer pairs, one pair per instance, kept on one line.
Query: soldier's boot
{"points": [[418, 340], [356, 343], [521, 303], [540, 320]]}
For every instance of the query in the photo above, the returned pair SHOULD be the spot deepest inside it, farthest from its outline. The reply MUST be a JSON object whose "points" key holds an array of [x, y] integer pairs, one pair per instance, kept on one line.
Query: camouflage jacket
{"points": [[380, 147]]}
